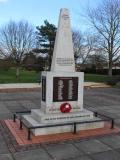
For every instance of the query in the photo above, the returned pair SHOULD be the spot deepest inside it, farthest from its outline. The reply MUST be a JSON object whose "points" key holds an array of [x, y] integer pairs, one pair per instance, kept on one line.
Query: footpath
{"points": [[22, 87]]}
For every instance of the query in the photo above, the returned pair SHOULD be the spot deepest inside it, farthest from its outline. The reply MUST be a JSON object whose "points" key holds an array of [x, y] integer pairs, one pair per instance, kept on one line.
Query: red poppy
{"points": [[65, 108]]}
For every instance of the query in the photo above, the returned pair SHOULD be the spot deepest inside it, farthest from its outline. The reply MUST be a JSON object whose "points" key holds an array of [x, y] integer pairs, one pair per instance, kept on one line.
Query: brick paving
{"points": [[21, 135], [107, 147]]}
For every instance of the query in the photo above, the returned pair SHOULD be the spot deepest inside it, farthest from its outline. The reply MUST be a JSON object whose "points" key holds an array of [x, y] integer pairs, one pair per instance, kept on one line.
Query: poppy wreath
{"points": [[65, 108]]}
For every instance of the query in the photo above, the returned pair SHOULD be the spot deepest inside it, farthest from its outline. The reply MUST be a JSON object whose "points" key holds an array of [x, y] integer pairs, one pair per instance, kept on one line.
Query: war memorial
{"points": [[61, 115], [58, 125], [62, 89]]}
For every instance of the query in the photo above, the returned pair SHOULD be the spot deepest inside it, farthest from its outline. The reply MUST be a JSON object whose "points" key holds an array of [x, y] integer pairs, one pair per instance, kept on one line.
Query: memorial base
{"points": [[47, 118], [38, 118]]}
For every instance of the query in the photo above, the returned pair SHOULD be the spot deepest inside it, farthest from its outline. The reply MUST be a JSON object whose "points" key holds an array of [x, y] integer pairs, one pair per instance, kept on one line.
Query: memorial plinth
{"points": [[62, 88]]}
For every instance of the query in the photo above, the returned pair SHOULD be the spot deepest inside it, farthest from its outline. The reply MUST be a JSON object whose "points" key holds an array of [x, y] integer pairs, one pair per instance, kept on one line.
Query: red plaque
{"points": [[65, 108]]}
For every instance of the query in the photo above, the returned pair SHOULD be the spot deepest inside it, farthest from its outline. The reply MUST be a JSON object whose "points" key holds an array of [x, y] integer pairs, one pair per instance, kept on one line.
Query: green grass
{"points": [[32, 77], [25, 76], [96, 78]]}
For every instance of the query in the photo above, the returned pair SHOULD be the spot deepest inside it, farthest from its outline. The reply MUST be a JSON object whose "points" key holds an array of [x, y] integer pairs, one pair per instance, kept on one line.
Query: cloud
{"points": [[3, 1]]}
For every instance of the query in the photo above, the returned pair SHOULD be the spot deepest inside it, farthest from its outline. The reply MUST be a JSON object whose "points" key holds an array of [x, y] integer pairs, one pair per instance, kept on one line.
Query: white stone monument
{"points": [[62, 88]]}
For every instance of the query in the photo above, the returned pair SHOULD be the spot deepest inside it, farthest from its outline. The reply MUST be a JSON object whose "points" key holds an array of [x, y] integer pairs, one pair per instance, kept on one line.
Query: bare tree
{"points": [[16, 39], [98, 59], [83, 45], [77, 43], [106, 20], [3, 54]]}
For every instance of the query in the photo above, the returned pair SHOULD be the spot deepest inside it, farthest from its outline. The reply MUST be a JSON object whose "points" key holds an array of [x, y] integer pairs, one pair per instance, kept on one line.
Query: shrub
{"points": [[113, 80], [101, 71]]}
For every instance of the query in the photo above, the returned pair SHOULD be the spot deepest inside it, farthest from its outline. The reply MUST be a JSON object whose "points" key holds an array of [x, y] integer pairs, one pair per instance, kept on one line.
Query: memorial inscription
{"points": [[65, 61], [65, 16], [65, 89]]}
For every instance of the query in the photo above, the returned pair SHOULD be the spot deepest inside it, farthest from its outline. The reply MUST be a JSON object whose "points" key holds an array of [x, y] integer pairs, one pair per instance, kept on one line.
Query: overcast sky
{"points": [[36, 11]]}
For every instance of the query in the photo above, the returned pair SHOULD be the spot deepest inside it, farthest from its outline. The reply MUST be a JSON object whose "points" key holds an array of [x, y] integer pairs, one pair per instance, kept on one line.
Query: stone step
{"points": [[41, 117], [61, 129]]}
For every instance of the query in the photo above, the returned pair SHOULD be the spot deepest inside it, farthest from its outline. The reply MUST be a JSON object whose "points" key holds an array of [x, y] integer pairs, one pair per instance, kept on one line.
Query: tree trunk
{"points": [[110, 69], [17, 72], [50, 61]]}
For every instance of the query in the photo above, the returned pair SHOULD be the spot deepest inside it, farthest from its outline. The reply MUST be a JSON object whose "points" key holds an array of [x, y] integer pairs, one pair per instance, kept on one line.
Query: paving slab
{"points": [[118, 150], [6, 116], [3, 148], [3, 108], [20, 96], [63, 151], [9, 96], [14, 106], [29, 105], [38, 154], [109, 155], [117, 122], [6, 157], [92, 146], [112, 141], [82, 158], [13, 103], [1, 138]]}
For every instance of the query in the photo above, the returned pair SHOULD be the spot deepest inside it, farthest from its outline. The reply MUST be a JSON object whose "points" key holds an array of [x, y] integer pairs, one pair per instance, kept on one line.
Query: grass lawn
{"points": [[25, 76], [32, 77], [95, 78]]}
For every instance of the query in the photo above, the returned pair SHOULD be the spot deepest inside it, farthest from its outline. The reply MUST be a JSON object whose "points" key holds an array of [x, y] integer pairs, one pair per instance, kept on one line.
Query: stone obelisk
{"points": [[62, 87], [63, 56]]}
